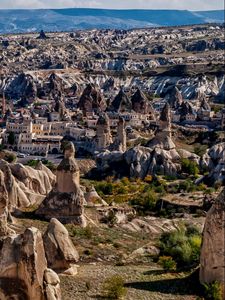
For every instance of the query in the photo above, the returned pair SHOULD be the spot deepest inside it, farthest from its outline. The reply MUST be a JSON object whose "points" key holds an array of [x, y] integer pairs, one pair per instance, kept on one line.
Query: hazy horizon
{"points": [[191, 5], [96, 8]]}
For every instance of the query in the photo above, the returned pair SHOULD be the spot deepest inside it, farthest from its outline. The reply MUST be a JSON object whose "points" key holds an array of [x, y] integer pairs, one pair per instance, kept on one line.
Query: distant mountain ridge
{"points": [[14, 21]]}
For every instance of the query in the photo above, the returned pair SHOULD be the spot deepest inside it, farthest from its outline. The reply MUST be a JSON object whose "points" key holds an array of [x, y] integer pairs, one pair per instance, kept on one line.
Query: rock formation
{"points": [[25, 87], [120, 143], [25, 185], [42, 35], [212, 260], [213, 160], [159, 156], [65, 201], [175, 98], [140, 103], [121, 102], [91, 100], [163, 135], [55, 87], [103, 137], [4, 211], [185, 109], [60, 252], [93, 199], [23, 268]]}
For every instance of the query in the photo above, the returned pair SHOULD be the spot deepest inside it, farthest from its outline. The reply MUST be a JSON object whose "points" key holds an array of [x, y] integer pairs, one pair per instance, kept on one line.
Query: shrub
{"points": [[147, 200], [170, 177], [32, 163], [104, 187], [111, 218], [125, 180], [213, 291], [187, 186], [50, 165], [148, 178], [167, 263], [10, 157], [82, 232], [200, 149], [87, 252], [183, 245], [114, 287], [189, 166], [11, 138]]}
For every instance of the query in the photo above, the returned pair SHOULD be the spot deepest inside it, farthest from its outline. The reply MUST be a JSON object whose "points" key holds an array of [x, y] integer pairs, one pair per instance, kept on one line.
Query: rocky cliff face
{"points": [[212, 267]]}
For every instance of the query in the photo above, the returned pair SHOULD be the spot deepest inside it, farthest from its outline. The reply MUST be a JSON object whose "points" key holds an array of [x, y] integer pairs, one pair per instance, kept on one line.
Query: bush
{"points": [[86, 232], [187, 186], [167, 263], [183, 245], [189, 166], [105, 188], [213, 291], [87, 252], [50, 165], [148, 179], [147, 200], [32, 163], [114, 287], [200, 150], [11, 138], [10, 157]]}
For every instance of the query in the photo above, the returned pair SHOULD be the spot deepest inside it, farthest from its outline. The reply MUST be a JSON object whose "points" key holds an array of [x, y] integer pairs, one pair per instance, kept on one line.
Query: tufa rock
{"points": [[121, 102], [65, 201], [91, 100], [22, 261], [103, 137], [60, 251], [212, 259]]}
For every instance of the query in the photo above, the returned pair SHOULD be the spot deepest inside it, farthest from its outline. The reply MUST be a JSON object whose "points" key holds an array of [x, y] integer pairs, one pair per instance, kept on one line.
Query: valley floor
{"points": [[143, 282]]}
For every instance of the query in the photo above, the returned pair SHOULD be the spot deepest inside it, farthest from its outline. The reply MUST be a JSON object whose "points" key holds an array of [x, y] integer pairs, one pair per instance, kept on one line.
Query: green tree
{"points": [[64, 143], [189, 166], [183, 245], [11, 138]]}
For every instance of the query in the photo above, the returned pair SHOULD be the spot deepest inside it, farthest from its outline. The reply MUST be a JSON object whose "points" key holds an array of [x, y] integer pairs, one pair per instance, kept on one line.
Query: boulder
{"points": [[60, 251], [52, 285], [93, 198], [23, 262]]}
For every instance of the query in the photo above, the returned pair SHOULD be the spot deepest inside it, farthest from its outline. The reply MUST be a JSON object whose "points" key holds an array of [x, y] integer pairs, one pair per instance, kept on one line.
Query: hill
{"points": [[14, 21]]}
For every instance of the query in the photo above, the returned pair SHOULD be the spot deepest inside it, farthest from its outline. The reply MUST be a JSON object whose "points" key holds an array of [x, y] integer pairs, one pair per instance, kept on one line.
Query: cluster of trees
{"points": [[181, 247]]}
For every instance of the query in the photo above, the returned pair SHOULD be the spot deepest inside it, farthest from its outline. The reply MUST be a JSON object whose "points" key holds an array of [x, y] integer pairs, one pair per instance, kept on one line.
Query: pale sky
{"points": [[117, 4]]}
